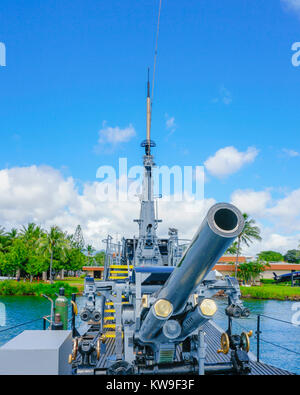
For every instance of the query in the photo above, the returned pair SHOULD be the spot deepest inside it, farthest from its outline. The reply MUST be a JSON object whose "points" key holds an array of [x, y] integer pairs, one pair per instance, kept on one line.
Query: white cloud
{"points": [[286, 212], [33, 193], [229, 160], [115, 135], [41, 194], [291, 153], [272, 241], [170, 124], [251, 202], [282, 216], [292, 5], [225, 96], [44, 196]]}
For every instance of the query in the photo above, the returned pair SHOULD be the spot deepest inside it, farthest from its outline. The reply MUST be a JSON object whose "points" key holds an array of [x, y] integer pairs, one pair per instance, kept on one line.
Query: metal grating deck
{"points": [[212, 338]]}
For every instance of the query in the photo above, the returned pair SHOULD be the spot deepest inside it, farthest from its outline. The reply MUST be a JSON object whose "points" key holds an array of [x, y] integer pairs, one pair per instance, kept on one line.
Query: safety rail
{"points": [[258, 333], [22, 324], [259, 339], [47, 318]]}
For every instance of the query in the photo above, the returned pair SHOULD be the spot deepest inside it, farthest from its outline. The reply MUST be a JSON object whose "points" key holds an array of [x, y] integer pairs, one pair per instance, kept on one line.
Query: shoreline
{"points": [[262, 292], [271, 292]]}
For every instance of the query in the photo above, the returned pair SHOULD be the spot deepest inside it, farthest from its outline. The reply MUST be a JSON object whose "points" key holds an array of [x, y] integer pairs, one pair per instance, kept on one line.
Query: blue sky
{"points": [[224, 79]]}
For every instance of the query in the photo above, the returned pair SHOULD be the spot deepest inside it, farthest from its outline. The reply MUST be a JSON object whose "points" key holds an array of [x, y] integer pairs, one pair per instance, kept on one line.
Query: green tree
{"points": [[270, 256], [232, 250], [4, 240], [250, 271], [36, 264], [89, 250], [292, 256], [13, 234], [100, 258], [30, 232], [77, 238], [74, 260], [16, 258], [52, 241], [249, 234]]}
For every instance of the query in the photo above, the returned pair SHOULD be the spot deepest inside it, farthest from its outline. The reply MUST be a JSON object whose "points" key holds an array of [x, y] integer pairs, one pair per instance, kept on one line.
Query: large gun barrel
{"points": [[223, 223]]}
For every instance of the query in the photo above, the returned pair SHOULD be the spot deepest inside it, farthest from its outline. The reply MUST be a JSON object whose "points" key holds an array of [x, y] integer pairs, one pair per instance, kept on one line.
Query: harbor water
{"points": [[17, 309]]}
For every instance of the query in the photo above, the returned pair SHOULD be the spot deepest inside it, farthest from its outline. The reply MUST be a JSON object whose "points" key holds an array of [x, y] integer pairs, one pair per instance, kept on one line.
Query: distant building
{"points": [[226, 266], [94, 271]]}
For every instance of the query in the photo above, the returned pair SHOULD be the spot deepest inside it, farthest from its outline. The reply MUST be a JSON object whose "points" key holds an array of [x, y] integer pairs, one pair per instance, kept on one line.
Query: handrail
{"points": [[278, 319], [259, 332], [17, 326]]}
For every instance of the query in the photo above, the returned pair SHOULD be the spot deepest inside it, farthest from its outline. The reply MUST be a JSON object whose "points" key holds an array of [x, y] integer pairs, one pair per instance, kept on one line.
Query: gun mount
{"points": [[221, 226]]}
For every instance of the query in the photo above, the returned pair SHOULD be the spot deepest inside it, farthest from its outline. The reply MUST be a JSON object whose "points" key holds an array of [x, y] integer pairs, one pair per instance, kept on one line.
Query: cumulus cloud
{"points": [[229, 160], [283, 212], [292, 5], [113, 136], [42, 195], [33, 193], [272, 241], [291, 153], [286, 211], [282, 217], [252, 202], [170, 124]]}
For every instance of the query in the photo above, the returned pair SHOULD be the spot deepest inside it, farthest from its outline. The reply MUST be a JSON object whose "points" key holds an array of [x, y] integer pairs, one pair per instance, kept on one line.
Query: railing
{"points": [[49, 319], [23, 324], [259, 332], [259, 339]]}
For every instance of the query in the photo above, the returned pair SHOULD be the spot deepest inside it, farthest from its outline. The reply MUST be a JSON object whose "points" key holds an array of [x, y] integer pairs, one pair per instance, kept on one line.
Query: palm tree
{"points": [[250, 233], [232, 250], [11, 236], [54, 239], [32, 233], [90, 250]]}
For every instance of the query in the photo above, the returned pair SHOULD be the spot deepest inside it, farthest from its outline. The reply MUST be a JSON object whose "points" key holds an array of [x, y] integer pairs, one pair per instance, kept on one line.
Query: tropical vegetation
{"points": [[249, 272], [249, 234], [270, 256], [34, 252], [36, 289], [272, 291]]}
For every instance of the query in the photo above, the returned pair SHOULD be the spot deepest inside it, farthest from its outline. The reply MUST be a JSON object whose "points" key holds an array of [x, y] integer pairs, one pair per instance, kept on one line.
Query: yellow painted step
{"points": [[120, 267], [119, 272], [117, 278], [109, 326], [109, 318], [112, 335], [110, 311], [112, 303]]}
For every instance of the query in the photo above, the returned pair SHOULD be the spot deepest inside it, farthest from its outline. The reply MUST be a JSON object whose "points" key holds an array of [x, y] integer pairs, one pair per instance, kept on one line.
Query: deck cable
{"points": [[278, 319], [17, 326], [282, 347]]}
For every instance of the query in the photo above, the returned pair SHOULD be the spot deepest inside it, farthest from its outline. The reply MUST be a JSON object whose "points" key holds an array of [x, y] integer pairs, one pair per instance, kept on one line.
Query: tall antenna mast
{"points": [[148, 143], [148, 112]]}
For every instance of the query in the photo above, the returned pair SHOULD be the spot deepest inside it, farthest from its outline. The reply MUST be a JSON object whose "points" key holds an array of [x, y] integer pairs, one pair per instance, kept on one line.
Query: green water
{"points": [[22, 309]]}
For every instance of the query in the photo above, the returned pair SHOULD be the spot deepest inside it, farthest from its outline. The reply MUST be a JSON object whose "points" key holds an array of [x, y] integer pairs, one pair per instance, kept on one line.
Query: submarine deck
{"points": [[212, 339]]}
